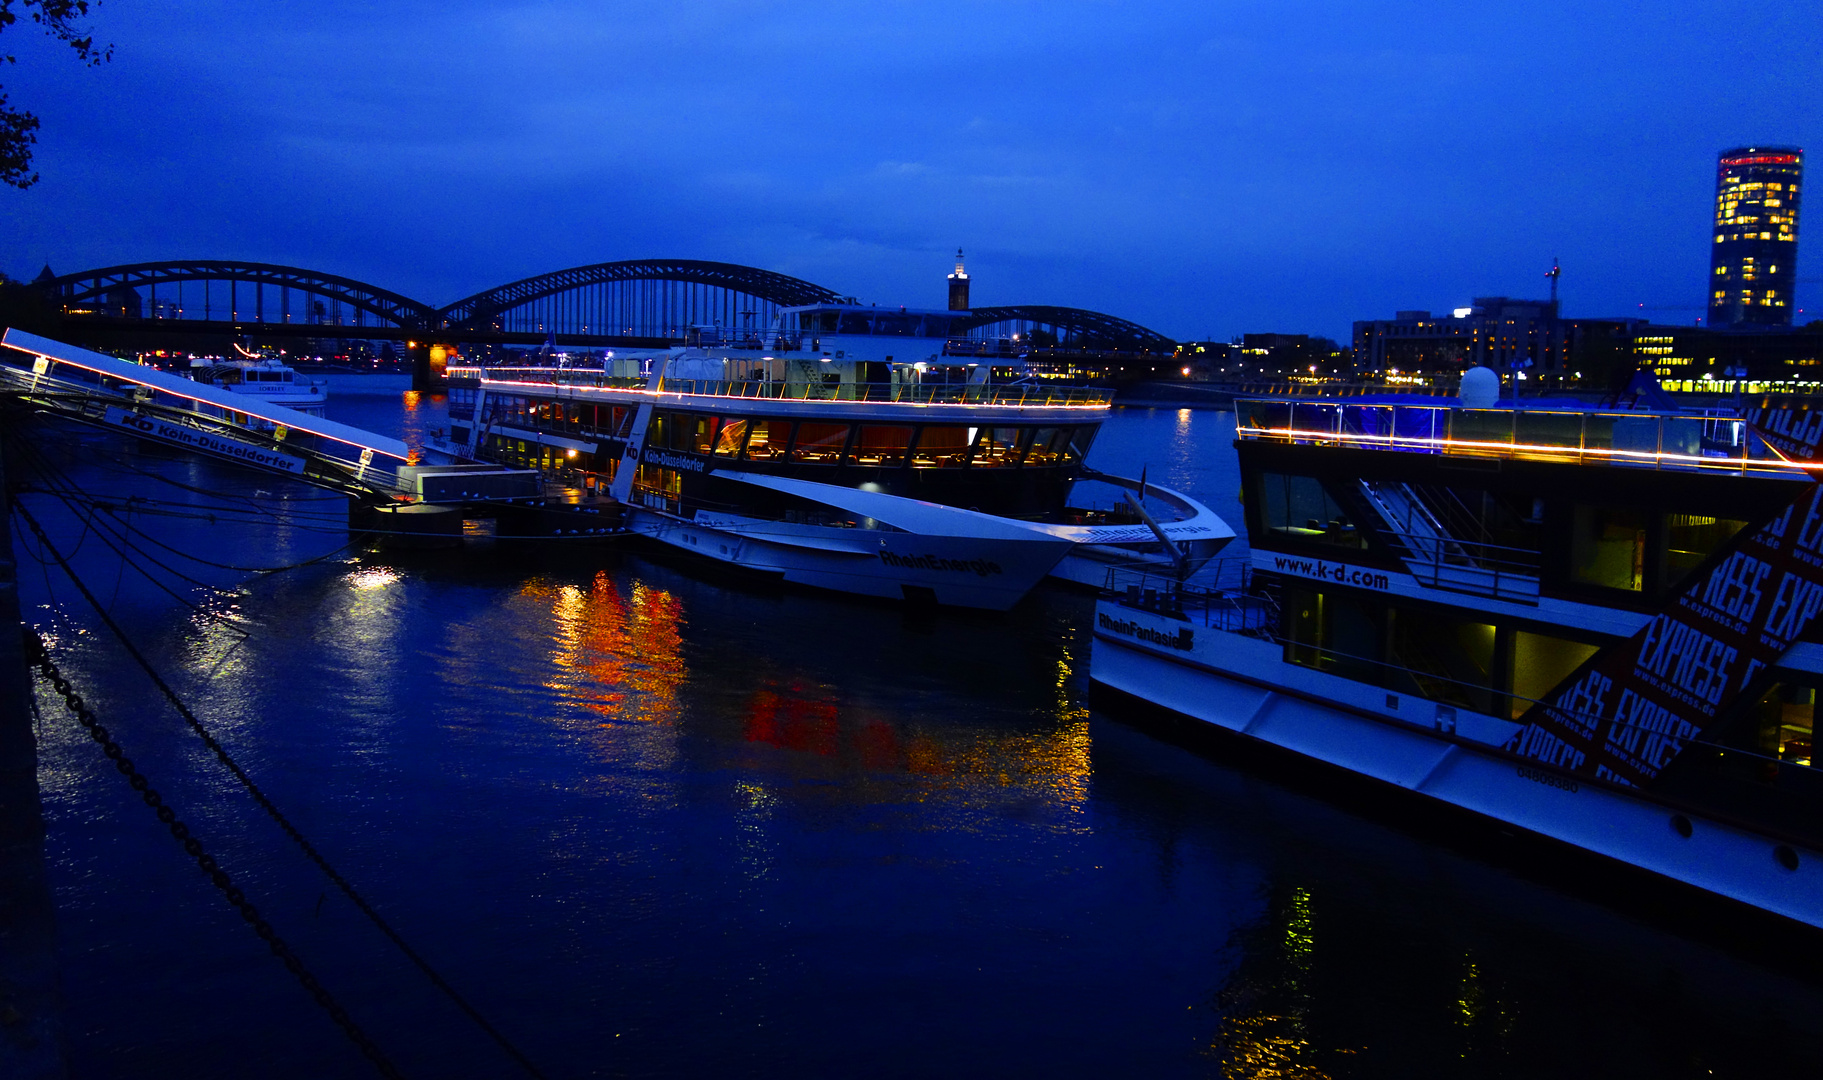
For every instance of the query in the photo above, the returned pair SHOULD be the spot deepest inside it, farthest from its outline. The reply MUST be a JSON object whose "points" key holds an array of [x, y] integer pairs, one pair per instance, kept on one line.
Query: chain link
{"points": [[39, 657]]}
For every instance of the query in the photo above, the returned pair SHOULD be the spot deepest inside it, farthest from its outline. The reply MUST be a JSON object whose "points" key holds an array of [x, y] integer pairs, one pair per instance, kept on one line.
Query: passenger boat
{"points": [[1593, 624], [845, 447], [263, 379]]}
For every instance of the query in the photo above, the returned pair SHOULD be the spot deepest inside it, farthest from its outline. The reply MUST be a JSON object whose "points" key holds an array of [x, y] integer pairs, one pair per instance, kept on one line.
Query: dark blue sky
{"points": [[1202, 168]]}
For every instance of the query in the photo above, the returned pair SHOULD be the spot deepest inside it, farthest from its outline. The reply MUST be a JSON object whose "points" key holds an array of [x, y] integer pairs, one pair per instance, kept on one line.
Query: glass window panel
{"points": [[1692, 538], [941, 448], [728, 440], [1340, 634], [767, 439], [1540, 664], [882, 446], [1608, 547], [997, 448], [1050, 446], [1443, 659], [1299, 507], [819, 444]]}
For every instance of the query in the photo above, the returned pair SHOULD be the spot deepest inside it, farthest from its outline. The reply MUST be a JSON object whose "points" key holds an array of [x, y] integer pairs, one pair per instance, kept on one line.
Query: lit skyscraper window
{"points": [[1754, 258]]}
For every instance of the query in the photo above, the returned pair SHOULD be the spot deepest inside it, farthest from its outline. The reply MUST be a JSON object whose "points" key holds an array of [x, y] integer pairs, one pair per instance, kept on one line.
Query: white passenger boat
{"points": [[846, 448], [1592, 624], [265, 380]]}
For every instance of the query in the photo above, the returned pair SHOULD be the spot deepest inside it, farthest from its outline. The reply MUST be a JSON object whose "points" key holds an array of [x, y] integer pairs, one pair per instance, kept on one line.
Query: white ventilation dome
{"points": [[1480, 388]]}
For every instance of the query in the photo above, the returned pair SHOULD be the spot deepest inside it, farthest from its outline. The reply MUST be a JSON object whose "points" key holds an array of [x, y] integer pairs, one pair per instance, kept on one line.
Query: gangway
{"points": [[93, 388]]}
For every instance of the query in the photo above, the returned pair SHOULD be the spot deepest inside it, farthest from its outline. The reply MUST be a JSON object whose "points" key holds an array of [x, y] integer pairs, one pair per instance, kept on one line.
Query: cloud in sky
{"points": [[1202, 168]]}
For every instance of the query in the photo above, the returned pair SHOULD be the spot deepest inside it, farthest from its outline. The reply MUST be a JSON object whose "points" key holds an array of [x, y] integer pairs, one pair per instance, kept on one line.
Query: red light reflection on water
{"points": [[618, 655]]}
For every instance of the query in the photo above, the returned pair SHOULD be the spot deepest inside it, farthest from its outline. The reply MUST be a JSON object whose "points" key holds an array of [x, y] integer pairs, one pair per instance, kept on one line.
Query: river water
{"points": [[651, 822]]}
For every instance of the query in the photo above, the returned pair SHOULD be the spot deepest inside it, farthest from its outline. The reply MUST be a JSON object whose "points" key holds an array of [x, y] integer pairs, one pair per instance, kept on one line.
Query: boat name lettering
{"points": [[1734, 589], [981, 567], [1794, 604], [1184, 639], [1690, 661], [202, 440], [1549, 780], [673, 461], [1340, 573]]}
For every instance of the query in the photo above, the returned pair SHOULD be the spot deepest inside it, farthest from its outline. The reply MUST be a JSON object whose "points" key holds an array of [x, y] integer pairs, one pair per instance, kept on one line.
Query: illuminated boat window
{"points": [[1691, 538], [767, 440], [819, 444], [996, 448], [729, 441], [1299, 507], [880, 446], [941, 446]]}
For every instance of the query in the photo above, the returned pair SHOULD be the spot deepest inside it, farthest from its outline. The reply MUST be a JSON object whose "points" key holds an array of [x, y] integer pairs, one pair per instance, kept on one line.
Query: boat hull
{"points": [[1241, 684], [990, 573]]}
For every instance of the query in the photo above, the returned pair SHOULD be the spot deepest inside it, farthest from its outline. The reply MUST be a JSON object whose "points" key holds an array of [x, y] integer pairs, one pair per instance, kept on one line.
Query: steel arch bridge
{"points": [[1075, 328], [653, 300], [236, 292], [644, 297]]}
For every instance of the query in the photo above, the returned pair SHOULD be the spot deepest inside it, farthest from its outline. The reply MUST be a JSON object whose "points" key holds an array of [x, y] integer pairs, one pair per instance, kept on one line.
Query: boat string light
{"points": [[1396, 442], [286, 422]]}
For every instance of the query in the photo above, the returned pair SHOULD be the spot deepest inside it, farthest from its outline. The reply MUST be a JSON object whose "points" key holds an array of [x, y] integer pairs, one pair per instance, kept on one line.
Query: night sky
{"points": [[1205, 169]]}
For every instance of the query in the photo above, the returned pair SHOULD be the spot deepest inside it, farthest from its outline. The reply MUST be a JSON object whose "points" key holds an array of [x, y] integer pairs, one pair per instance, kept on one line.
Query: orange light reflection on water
{"points": [[617, 655]]}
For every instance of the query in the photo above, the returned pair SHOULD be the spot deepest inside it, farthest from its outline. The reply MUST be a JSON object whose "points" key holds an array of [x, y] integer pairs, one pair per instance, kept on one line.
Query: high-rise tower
{"points": [[958, 286], [1753, 261]]}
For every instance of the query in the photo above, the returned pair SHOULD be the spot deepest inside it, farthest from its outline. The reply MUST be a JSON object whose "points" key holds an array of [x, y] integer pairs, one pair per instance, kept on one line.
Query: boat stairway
{"points": [[1434, 555]]}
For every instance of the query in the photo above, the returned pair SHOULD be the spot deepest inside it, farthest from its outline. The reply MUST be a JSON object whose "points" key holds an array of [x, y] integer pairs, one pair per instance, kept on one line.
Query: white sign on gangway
{"points": [[153, 428]]}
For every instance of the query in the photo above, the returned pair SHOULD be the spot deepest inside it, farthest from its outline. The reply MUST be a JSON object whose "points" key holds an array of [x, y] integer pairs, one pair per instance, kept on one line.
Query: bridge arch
{"points": [[234, 292], [1065, 326], [639, 297]]}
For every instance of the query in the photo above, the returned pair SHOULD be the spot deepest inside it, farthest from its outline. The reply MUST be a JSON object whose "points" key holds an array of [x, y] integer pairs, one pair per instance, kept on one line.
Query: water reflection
{"points": [[616, 654], [1264, 1030]]}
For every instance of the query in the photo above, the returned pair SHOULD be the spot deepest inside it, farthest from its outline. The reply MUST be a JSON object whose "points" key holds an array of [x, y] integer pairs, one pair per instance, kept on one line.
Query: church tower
{"points": [[958, 286]]}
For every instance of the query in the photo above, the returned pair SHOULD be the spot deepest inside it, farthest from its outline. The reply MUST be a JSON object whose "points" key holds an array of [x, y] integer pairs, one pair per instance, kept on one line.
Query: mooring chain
{"points": [[277, 815], [39, 657]]}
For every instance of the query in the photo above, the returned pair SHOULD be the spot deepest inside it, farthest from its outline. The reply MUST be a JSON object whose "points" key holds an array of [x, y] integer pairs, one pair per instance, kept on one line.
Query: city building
{"points": [[1690, 354], [1753, 262], [1494, 331]]}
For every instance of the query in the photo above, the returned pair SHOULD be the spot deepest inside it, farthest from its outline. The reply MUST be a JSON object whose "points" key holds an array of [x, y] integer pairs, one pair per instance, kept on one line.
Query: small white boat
{"points": [[263, 379]]}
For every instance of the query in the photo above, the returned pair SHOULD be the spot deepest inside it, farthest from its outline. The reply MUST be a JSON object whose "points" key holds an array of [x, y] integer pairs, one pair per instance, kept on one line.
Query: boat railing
{"points": [[1033, 393], [1763, 783], [1714, 439], [1221, 596]]}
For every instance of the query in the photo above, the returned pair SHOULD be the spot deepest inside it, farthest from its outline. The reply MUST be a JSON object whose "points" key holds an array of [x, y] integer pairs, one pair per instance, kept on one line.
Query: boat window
{"points": [[881, 446], [936, 326], [1299, 507], [728, 442], [700, 438], [996, 448], [855, 322], [658, 429], [1082, 438], [767, 439], [941, 447], [1691, 538], [1783, 722], [819, 444], [1443, 659], [819, 321], [892, 325], [1050, 446], [1540, 665], [1608, 547], [1339, 634]]}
